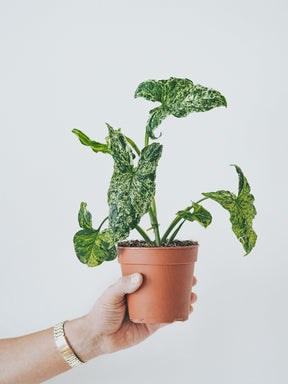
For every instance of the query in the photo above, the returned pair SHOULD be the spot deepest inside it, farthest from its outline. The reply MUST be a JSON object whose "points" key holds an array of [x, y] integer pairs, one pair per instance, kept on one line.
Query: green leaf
{"points": [[151, 90], [132, 189], [92, 247], [199, 214], [241, 209], [120, 150], [95, 146], [107, 244], [133, 145], [84, 217], [84, 244], [179, 97]]}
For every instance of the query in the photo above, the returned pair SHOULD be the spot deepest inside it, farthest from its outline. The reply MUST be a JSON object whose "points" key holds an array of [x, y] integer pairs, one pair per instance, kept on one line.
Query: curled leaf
{"points": [[241, 209], [199, 214], [179, 97], [94, 145]]}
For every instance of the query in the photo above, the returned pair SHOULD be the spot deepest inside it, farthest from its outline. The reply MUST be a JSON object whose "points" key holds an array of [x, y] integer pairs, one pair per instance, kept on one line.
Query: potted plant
{"points": [[167, 264]]}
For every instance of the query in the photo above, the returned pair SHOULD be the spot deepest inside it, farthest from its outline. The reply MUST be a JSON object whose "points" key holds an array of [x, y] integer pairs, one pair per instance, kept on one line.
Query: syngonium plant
{"points": [[132, 187]]}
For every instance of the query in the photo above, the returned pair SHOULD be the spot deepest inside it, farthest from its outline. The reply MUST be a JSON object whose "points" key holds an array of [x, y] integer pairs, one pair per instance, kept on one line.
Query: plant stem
{"points": [[169, 229], [144, 235], [204, 198], [154, 223], [146, 139], [152, 211], [106, 218], [175, 233], [176, 221]]}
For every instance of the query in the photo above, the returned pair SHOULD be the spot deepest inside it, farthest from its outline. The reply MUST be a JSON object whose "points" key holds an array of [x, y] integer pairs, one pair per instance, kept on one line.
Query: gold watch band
{"points": [[64, 347]]}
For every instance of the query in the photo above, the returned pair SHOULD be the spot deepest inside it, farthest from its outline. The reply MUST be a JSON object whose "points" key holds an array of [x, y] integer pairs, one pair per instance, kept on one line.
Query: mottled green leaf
{"points": [[92, 247], [84, 217], [151, 90], [179, 97], [84, 242], [120, 150], [95, 146], [241, 209], [106, 243], [132, 189], [199, 214]]}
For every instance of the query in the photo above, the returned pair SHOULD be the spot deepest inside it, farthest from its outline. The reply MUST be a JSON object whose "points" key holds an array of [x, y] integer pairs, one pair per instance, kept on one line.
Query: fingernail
{"points": [[135, 278]]}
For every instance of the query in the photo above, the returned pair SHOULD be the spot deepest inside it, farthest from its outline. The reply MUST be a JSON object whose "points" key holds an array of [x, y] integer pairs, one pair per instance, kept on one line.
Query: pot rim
{"points": [[178, 247], [157, 255]]}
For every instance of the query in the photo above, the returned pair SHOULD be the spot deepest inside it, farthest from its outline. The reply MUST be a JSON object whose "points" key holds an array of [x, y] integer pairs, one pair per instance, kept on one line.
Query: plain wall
{"points": [[76, 64]]}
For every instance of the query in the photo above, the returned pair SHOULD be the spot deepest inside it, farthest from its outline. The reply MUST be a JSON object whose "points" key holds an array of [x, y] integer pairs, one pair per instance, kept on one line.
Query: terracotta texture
{"points": [[164, 296]]}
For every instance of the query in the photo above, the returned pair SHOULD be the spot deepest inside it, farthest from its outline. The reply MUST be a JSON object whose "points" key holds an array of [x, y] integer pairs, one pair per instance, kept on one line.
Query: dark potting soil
{"points": [[142, 243]]}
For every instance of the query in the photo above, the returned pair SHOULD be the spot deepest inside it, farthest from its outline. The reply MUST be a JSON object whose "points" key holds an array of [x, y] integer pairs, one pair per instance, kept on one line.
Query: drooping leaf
{"points": [[241, 209], [131, 189], [199, 214], [92, 247], [179, 97], [94, 145]]}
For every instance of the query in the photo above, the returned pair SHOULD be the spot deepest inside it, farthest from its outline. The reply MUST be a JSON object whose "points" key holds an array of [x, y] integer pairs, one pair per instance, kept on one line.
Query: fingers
{"points": [[193, 298], [129, 284], [126, 284]]}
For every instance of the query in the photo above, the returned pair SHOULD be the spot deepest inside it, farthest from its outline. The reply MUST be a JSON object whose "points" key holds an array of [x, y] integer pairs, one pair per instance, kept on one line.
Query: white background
{"points": [[76, 64]]}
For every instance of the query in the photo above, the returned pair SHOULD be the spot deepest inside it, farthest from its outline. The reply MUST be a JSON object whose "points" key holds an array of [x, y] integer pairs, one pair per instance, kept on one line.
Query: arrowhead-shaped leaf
{"points": [[131, 189], [95, 146], [241, 209], [92, 247], [179, 97], [199, 214]]}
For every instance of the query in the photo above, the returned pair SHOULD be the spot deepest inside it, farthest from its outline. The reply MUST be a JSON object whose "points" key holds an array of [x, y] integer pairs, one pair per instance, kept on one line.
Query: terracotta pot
{"points": [[164, 296]]}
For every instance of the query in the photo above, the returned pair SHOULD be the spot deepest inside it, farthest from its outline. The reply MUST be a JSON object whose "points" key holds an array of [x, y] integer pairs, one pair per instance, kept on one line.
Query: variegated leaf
{"points": [[179, 97], [120, 150], [95, 146], [241, 209], [92, 247], [84, 217], [131, 189], [199, 214]]}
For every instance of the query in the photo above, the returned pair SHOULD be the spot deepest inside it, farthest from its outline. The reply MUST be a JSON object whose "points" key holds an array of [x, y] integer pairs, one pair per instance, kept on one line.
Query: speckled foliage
{"points": [[132, 189], [179, 97], [199, 214], [241, 209], [92, 247]]}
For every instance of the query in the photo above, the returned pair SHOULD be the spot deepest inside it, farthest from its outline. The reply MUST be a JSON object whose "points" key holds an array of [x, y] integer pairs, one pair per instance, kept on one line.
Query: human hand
{"points": [[107, 327]]}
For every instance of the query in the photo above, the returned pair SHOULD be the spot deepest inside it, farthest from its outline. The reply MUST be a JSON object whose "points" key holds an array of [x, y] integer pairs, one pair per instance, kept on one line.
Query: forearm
{"points": [[35, 358], [30, 359]]}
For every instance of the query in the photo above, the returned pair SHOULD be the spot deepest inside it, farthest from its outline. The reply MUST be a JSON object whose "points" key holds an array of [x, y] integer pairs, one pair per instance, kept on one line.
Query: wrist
{"points": [[84, 343]]}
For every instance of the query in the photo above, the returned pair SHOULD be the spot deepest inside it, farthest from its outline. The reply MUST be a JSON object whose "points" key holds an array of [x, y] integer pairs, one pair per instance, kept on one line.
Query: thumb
{"points": [[126, 284]]}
